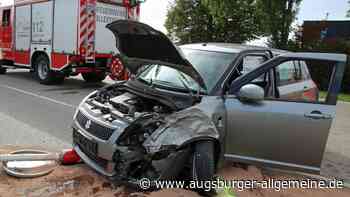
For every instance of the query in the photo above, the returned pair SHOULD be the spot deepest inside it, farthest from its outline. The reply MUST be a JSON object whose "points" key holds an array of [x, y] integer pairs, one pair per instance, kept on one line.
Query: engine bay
{"points": [[143, 116]]}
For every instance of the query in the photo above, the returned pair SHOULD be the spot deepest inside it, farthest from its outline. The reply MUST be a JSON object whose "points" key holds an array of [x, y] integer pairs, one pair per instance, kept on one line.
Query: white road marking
{"points": [[39, 96]]}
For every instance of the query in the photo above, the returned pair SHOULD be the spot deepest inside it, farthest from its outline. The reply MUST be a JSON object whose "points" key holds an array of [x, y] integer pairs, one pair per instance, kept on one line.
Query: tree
{"points": [[213, 21], [348, 13], [189, 21], [235, 20], [278, 16]]}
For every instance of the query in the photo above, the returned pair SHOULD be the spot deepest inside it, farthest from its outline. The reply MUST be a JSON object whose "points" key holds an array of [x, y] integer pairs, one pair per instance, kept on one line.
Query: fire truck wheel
{"points": [[2, 70], [43, 72], [94, 77]]}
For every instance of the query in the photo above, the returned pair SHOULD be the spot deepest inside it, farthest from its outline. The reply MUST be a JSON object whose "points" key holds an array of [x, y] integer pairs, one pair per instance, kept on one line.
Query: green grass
{"points": [[341, 97]]}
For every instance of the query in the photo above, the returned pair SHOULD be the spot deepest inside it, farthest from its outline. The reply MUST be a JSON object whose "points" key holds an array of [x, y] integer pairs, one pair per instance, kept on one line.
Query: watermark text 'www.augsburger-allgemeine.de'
{"points": [[241, 185]]}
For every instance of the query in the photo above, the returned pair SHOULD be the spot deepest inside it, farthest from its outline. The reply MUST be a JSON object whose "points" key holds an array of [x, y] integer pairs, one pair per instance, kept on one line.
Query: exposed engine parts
{"points": [[142, 116], [121, 104]]}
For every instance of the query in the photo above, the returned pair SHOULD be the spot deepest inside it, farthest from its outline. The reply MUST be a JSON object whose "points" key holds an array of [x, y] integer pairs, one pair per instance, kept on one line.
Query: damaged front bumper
{"points": [[92, 151], [107, 158]]}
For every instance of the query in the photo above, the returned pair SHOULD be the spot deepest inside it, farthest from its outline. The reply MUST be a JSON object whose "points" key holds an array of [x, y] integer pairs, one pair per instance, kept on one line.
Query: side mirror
{"points": [[252, 93]]}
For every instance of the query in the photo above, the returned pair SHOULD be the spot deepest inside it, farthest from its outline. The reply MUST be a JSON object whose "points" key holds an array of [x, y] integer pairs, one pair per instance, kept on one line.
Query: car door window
{"points": [[288, 73], [246, 65], [304, 70], [294, 81], [251, 62], [6, 18]]}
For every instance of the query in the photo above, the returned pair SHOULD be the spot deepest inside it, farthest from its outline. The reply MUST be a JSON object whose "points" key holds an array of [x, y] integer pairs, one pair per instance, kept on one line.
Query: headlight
{"points": [[82, 102]]}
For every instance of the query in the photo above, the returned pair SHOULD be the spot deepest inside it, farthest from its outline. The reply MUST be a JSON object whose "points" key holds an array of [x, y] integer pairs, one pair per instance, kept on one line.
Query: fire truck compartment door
{"points": [[23, 28], [65, 38], [42, 15], [105, 14]]}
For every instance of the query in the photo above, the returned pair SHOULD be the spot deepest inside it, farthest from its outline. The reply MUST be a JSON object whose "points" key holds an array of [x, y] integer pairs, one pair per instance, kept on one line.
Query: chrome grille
{"points": [[95, 129], [89, 148]]}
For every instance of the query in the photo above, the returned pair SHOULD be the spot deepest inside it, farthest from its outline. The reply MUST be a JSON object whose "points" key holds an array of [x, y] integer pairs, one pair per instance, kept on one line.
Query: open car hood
{"points": [[139, 43]]}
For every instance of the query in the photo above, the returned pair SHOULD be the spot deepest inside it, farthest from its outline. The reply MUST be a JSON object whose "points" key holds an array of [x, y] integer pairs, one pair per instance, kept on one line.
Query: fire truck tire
{"points": [[94, 77], [43, 72], [2, 70]]}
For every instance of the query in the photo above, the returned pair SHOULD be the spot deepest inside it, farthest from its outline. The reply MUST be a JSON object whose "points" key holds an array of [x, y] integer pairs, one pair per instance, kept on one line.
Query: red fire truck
{"points": [[60, 38]]}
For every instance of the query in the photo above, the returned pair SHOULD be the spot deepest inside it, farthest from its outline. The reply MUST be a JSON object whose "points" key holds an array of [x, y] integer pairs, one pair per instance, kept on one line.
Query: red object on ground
{"points": [[117, 70], [70, 157]]}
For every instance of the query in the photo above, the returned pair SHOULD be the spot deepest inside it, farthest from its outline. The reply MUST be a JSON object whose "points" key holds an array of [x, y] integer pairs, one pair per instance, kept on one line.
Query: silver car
{"points": [[188, 109]]}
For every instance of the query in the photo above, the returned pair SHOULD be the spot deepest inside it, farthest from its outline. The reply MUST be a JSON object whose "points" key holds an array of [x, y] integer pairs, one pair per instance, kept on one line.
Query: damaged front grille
{"points": [[97, 130], [89, 148], [99, 161]]}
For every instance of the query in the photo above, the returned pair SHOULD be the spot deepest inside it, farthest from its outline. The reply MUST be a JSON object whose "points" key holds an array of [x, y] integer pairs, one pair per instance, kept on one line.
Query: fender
{"points": [[181, 129]]}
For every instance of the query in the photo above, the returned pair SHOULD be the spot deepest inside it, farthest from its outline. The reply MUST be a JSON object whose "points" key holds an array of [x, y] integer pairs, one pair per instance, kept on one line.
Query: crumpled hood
{"points": [[139, 43]]}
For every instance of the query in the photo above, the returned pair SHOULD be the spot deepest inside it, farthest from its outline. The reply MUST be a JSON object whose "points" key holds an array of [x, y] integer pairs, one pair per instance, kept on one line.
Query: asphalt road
{"points": [[36, 115]]}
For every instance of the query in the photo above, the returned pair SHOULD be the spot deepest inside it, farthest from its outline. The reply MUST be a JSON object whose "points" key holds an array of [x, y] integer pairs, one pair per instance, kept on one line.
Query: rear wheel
{"points": [[94, 76], [2, 70], [43, 72]]}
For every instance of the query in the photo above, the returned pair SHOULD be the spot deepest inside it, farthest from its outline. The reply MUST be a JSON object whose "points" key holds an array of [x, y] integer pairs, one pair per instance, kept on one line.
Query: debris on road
{"points": [[28, 163], [80, 180]]}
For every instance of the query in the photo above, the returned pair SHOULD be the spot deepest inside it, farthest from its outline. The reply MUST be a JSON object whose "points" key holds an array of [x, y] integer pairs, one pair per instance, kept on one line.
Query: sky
{"points": [[153, 12], [318, 9]]}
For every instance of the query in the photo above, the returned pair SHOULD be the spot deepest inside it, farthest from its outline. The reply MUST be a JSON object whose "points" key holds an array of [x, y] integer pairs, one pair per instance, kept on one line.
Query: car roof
{"points": [[336, 57], [228, 47]]}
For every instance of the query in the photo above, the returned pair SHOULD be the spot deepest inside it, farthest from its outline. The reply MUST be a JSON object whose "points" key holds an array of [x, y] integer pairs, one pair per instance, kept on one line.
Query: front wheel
{"points": [[203, 161], [94, 76]]}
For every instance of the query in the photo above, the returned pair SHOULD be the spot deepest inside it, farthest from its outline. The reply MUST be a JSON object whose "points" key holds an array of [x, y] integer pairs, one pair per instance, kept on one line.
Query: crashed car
{"points": [[187, 109]]}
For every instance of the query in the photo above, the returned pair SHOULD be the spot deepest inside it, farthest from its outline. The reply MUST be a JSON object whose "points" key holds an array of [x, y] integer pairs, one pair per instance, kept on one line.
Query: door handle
{"points": [[318, 115]]}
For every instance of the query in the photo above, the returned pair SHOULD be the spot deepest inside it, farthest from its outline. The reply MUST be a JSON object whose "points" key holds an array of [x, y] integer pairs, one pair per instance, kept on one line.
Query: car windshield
{"points": [[210, 65], [167, 77]]}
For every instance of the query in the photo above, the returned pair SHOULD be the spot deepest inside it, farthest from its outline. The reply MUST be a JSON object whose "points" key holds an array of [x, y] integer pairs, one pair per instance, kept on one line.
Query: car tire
{"points": [[43, 72], [203, 161], [94, 77]]}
